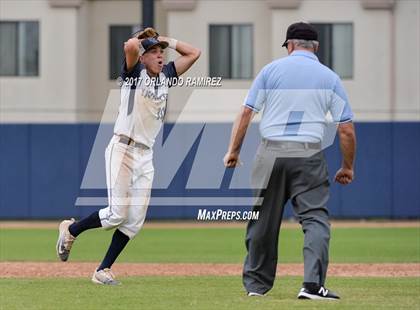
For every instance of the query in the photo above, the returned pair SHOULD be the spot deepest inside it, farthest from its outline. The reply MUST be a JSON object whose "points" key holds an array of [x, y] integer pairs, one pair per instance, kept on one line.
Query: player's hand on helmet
{"points": [[344, 176], [231, 160], [131, 46], [148, 33]]}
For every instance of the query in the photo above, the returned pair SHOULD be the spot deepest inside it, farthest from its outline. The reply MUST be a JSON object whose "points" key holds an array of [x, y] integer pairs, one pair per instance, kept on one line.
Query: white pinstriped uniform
{"points": [[129, 168]]}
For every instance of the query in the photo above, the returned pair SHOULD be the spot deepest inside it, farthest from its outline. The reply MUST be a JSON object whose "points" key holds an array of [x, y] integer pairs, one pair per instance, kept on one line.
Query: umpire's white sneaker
{"points": [[321, 294], [255, 294], [65, 240], [104, 276]]}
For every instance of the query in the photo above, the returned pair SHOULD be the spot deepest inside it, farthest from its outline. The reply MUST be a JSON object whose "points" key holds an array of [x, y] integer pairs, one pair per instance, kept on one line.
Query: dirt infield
{"points": [[198, 224], [84, 269]]}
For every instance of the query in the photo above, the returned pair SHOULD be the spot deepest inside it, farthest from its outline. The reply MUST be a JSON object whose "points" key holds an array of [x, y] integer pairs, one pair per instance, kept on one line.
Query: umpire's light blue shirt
{"points": [[299, 97]]}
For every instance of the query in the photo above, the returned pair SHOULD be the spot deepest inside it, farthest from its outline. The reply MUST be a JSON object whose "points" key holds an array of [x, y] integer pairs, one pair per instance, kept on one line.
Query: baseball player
{"points": [[129, 168], [297, 93]]}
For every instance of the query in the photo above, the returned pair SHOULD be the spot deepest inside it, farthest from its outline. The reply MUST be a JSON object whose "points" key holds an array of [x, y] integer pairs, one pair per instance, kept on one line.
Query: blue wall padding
{"points": [[42, 166]]}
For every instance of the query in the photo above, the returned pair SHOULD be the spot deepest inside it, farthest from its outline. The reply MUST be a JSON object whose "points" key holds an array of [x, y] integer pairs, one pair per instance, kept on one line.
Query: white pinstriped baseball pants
{"points": [[129, 173]]}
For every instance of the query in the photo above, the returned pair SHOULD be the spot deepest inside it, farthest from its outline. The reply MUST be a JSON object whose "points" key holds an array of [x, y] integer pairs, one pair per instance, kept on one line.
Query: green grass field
{"points": [[203, 293], [208, 245]]}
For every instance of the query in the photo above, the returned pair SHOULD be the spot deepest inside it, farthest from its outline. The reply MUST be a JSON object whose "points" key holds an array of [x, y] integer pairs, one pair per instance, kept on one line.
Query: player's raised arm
{"points": [[189, 54], [132, 52]]}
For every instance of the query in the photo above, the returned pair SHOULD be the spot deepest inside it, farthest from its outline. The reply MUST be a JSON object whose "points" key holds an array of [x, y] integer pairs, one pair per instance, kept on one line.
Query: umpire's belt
{"points": [[291, 144], [131, 142]]}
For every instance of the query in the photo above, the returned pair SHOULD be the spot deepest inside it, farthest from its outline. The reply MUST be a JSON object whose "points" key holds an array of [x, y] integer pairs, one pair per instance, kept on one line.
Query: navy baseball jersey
{"points": [[143, 102]]}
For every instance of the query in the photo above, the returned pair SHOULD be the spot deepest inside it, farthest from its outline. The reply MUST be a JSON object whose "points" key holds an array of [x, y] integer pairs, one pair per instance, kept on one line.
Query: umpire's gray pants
{"points": [[295, 171]]}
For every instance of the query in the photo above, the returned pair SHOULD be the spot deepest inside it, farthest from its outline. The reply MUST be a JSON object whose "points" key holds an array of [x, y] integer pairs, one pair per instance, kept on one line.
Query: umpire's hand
{"points": [[344, 176], [231, 160]]}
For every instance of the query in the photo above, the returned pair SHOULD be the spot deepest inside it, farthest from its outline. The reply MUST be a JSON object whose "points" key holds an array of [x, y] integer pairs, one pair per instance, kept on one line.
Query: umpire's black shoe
{"points": [[320, 294]]}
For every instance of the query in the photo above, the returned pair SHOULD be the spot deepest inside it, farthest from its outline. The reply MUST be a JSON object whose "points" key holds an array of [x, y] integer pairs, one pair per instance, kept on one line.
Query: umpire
{"points": [[298, 95]]}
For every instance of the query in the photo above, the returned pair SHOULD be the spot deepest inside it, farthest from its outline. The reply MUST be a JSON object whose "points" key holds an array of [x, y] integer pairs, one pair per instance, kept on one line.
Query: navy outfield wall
{"points": [[42, 165]]}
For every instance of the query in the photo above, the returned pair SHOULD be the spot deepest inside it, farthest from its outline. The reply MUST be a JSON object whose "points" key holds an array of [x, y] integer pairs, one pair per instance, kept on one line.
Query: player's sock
{"points": [[119, 241], [92, 221]]}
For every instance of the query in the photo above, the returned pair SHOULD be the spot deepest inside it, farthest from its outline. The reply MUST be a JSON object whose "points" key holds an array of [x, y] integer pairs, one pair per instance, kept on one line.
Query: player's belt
{"points": [[131, 142], [292, 144]]}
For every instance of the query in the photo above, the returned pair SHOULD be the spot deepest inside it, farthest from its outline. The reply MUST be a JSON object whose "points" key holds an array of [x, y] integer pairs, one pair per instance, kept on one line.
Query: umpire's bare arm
{"points": [[239, 129], [347, 136]]}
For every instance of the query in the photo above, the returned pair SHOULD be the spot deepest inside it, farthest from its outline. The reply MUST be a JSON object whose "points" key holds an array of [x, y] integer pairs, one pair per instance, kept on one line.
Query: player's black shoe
{"points": [[321, 294]]}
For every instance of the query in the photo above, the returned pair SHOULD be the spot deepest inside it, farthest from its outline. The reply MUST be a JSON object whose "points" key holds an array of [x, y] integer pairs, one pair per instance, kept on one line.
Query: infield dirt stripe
{"points": [[85, 269]]}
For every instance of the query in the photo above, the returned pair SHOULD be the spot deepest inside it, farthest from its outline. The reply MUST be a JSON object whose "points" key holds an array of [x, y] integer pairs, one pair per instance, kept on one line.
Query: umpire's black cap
{"points": [[302, 31]]}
